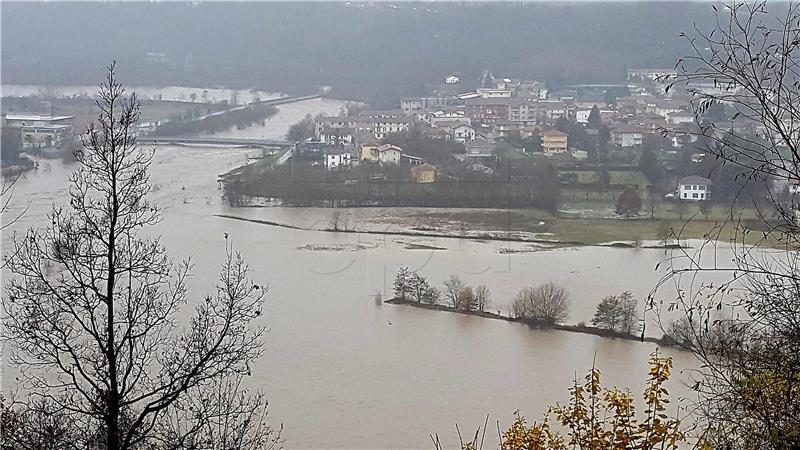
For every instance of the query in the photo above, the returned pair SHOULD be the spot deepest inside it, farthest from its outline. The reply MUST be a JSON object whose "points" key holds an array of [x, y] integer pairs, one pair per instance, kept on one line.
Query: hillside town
{"points": [[577, 148], [641, 134]]}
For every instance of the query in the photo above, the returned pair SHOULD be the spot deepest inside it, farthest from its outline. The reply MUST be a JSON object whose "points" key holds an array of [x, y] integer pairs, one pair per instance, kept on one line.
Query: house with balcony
{"points": [[625, 135], [554, 142]]}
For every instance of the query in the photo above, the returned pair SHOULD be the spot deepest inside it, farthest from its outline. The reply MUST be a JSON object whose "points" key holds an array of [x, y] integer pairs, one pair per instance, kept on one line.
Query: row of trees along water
{"points": [[546, 304], [240, 117], [523, 184]]}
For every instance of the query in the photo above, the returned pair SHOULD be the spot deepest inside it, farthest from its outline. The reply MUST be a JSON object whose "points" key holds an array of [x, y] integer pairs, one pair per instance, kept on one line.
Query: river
{"points": [[340, 371]]}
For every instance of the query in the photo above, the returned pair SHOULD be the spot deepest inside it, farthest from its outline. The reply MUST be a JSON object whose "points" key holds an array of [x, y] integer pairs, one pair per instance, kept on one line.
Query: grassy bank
{"points": [[595, 331], [578, 231], [529, 226]]}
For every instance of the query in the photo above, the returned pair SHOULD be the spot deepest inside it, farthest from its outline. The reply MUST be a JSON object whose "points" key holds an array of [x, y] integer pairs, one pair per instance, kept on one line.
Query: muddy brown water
{"points": [[343, 372]]}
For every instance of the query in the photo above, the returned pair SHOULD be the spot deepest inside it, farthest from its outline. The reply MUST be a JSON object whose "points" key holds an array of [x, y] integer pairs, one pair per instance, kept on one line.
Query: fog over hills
{"points": [[373, 51]]}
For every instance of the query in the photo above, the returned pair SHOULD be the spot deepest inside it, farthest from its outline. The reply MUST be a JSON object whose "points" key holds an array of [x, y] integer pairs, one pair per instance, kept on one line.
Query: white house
{"points": [[680, 117], [582, 115], [627, 136], [463, 134], [694, 188], [336, 158], [451, 79]]}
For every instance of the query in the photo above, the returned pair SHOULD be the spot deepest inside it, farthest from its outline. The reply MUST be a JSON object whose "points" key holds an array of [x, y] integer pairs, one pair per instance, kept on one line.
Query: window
{"points": [[694, 194], [685, 195], [702, 187]]}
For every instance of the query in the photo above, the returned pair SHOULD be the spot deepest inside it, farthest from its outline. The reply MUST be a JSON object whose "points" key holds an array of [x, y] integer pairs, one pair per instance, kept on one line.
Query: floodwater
{"points": [[166, 93], [342, 372]]}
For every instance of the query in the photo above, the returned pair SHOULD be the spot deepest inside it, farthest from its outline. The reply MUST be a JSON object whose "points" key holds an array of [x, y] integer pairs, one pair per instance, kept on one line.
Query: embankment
{"points": [[602, 332]]}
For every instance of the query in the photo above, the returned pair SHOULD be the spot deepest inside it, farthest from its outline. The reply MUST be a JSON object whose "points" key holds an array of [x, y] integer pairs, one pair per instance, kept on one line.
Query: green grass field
{"points": [[594, 231]]}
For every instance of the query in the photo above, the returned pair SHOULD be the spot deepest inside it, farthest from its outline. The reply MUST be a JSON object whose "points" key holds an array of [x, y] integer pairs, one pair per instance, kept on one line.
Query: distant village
{"points": [[599, 139], [578, 129]]}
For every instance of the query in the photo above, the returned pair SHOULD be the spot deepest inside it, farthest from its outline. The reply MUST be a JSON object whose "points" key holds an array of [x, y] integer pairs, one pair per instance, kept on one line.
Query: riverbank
{"points": [[475, 235], [545, 243], [595, 331]]}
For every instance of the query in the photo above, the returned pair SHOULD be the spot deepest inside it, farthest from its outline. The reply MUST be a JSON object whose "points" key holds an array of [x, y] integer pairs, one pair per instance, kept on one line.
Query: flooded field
{"points": [[341, 371]]}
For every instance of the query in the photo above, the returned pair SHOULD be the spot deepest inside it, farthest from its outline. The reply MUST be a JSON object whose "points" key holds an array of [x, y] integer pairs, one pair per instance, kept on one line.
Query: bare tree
{"points": [[546, 303], [452, 287], [483, 297], [466, 299], [338, 221], [745, 328], [92, 307]]}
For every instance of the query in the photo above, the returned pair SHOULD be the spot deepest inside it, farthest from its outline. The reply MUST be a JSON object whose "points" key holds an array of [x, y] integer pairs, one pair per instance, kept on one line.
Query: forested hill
{"points": [[364, 50]]}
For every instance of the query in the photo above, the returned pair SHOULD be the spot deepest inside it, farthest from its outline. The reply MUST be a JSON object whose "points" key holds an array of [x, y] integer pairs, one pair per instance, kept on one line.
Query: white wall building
{"points": [[694, 188], [338, 158], [494, 93], [463, 134], [582, 115]]}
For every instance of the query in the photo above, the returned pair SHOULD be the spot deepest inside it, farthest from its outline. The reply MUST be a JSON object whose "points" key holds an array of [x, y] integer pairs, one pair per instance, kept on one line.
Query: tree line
{"points": [[528, 186], [209, 124], [545, 304]]}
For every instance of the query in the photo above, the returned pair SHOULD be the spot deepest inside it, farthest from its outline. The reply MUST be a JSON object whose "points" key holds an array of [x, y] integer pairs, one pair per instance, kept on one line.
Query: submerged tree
{"points": [[547, 303], [745, 328], [616, 313], [93, 305]]}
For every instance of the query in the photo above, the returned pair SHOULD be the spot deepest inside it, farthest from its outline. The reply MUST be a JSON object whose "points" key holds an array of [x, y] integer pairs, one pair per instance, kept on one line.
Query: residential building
{"points": [[381, 153], [582, 115], [440, 134], [554, 142], [451, 79], [339, 157], [463, 134], [521, 110], [529, 132], [487, 110], [549, 111], [627, 136], [343, 130], [505, 128], [694, 188], [412, 105], [664, 107], [336, 136], [480, 148], [680, 117], [385, 126], [448, 119], [493, 93]]}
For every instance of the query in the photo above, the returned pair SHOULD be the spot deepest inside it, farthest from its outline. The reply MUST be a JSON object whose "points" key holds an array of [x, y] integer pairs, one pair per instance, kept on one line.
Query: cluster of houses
{"points": [[484, 116], [480, 118]]}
